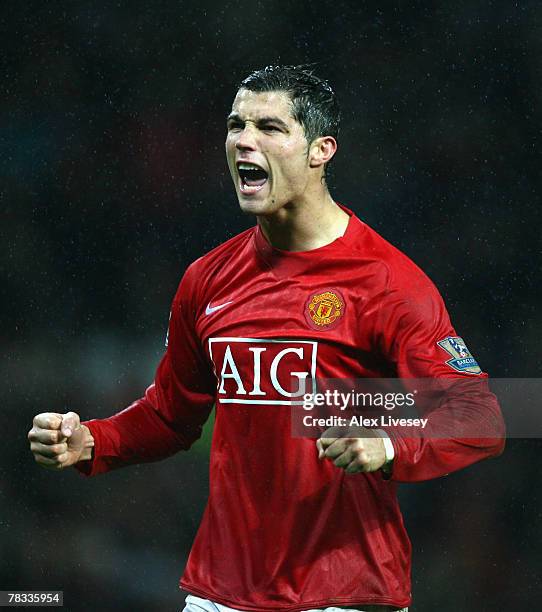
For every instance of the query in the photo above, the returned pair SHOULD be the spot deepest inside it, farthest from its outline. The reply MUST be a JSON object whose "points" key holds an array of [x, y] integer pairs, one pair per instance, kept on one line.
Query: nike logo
{"points": [[210, 309]]}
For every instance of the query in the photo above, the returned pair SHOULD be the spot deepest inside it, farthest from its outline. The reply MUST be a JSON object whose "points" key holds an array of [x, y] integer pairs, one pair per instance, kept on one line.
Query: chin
{"points": [[255, 206]]}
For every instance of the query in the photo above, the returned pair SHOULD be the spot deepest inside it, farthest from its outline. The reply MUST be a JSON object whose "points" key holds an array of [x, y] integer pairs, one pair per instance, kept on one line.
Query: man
{"points": [[310, 292]]}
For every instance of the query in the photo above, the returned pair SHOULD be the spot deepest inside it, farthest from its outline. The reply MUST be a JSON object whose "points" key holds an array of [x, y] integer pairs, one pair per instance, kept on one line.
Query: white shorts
{"points": [[197, 604]]}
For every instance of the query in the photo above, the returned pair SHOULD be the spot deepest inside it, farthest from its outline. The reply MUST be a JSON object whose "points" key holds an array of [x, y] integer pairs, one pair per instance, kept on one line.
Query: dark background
{"points": [[113, 179]]}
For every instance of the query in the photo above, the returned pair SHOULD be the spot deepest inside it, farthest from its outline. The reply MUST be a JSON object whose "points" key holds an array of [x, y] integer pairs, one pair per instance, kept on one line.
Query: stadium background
{"points": [[114, 179]]}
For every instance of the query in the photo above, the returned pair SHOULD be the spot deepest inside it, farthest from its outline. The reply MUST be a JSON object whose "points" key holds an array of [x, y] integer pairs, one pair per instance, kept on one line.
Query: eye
{"points": [[270, 128], [234, 126]]}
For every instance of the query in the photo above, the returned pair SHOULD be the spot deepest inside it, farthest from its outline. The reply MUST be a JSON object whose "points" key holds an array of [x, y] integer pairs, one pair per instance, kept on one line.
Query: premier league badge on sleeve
{"points": [[462, 360]]}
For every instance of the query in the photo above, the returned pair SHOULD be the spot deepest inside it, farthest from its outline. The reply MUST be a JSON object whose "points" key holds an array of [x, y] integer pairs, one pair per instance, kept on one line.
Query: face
{"points": [[267, 152]]}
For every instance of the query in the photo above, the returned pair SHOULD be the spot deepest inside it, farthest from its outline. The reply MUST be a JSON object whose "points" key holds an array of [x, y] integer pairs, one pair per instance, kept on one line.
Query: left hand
{"points": [[363, 453]]}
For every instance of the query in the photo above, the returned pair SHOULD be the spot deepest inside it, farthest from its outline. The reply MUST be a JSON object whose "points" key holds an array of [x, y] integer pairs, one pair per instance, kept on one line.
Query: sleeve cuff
{"points": [[388, 446]]}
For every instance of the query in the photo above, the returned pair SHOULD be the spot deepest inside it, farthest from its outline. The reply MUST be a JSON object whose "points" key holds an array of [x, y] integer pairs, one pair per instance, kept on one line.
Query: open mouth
{"points": [[252, 177]]}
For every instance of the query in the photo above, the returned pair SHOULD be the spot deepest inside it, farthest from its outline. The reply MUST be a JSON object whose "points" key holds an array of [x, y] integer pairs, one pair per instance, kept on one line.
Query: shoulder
{"points": [[205, 267], [407, 310], [201, 272], [402, 295], [400, 273]]}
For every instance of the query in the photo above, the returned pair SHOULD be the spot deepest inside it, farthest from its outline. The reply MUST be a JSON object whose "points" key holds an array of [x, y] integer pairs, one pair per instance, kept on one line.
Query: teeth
{"points": [[244, 166]]}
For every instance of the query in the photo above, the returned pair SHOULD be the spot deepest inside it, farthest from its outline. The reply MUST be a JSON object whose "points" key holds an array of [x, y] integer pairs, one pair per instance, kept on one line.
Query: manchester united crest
{"points": [[325, 309]]}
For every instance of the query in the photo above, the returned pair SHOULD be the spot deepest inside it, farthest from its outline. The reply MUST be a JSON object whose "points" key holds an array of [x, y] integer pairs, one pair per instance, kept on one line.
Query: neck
{"points": [[305, 226]]}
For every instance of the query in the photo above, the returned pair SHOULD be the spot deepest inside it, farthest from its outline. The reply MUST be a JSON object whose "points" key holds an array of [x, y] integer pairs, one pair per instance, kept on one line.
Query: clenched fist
{"points": [[355, 450], [59, 440]]}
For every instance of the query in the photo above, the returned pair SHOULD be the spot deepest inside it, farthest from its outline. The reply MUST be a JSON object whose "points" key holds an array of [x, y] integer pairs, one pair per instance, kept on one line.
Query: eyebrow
{"points": [[260, 121]]}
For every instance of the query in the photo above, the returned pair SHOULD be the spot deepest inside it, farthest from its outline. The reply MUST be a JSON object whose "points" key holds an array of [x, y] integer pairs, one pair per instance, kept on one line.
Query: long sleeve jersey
{"points": [[250, 324]]}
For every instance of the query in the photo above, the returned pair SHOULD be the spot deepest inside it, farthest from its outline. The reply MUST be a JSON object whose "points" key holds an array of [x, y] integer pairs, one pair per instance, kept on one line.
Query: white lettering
{"points": [[301, 376], [260, 373], [257, 370], [228, 360]]}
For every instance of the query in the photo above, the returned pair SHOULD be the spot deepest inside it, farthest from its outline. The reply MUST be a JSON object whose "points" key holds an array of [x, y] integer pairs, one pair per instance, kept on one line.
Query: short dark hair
{"points": [[314, 103]]}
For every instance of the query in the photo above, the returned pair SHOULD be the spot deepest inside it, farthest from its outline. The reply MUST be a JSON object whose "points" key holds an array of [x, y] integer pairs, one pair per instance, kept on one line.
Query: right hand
{"points": [[59, 440]]}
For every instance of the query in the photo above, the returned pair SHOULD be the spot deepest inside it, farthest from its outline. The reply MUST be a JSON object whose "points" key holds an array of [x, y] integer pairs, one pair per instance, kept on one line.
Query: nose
{"points": [[246, 139]]}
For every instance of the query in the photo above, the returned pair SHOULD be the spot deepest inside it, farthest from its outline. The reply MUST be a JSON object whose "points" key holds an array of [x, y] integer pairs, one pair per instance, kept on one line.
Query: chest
{"points": [[268, 337]]}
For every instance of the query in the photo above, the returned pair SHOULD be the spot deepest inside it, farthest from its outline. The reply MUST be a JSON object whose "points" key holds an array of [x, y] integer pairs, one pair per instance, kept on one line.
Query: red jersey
{"points": [[249, 325]]}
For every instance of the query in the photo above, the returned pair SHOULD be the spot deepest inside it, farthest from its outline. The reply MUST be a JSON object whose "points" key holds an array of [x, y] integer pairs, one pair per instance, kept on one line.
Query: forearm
{"points": [[463, 431], [138, 434], [420, 459]]}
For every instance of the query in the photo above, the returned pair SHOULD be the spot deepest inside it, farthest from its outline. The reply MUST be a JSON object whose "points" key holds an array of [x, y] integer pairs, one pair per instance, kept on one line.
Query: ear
{"points": [[321, 151]]}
